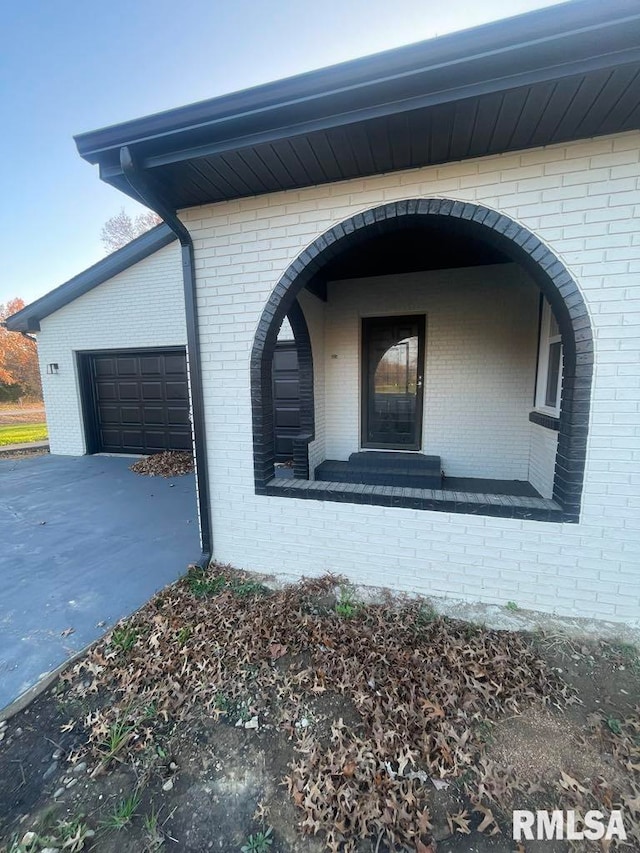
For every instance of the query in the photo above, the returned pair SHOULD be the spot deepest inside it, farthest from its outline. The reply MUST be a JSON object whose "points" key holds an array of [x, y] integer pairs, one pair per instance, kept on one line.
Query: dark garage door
{"points": [[286, 399], [138, 401]]}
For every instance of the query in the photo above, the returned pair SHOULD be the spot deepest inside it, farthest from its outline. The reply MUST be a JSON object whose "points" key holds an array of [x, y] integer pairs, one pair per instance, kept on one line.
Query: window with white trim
{"points": [[549, 381]]}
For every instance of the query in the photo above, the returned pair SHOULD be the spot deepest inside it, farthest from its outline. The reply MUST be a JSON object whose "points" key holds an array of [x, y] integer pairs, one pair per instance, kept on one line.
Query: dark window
{"points": [[553, 374]]}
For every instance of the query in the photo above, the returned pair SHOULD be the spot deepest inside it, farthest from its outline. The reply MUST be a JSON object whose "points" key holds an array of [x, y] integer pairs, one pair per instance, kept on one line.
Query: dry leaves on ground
{"points": [[422, 688], [170, 463]]}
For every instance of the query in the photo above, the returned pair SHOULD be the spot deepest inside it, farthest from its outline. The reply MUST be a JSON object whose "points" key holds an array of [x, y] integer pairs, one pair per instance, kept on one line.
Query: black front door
{"points": [[392, 364]]}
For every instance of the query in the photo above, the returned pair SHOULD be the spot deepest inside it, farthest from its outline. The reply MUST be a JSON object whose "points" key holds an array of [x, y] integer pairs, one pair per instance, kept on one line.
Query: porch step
{"points": [[409, 470]]}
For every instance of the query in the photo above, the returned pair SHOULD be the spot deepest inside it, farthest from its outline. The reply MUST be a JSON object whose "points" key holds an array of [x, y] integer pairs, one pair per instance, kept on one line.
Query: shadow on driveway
{"points": [[83, 542]]}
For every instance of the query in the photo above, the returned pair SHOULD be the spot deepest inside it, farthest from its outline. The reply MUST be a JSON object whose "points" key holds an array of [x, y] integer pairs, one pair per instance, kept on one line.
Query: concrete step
{"points": [[408, 470], [397, 461]]}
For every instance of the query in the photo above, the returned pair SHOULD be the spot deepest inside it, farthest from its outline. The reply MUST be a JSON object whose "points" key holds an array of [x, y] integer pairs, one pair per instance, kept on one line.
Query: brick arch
{"points": [[499, 231]]}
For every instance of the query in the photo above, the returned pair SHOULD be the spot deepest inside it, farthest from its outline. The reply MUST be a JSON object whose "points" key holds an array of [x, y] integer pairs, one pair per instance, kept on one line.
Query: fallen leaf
{"points": [[277, 650], [460, 821]]}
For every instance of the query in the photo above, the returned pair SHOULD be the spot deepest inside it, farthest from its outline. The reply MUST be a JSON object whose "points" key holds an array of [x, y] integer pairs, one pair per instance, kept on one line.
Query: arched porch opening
{"points": [[432, 232]]}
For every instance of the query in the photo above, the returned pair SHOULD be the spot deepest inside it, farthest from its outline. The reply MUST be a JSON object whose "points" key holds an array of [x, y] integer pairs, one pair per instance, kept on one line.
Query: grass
{"points": [[183, 635], [116, 739], [614, 725], [22, 433], [235, 710], [244, 589], [123, 813], [347, 605], [259, 842], [152, 829], [201, 583], [426, 616], [124, 639]]}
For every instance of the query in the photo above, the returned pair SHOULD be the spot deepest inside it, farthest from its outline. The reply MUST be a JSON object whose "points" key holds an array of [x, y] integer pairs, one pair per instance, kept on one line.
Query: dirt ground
{"points": [[240, 765]]}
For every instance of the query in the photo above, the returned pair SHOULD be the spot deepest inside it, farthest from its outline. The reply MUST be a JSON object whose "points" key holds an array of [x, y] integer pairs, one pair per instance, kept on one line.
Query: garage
{"points": [[135, 401]]}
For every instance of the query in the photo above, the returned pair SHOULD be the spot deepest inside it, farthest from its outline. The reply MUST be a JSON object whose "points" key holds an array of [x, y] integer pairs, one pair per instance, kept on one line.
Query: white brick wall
{"points": [[581, 199], [140, 307], [542, 459], [481, 343]]}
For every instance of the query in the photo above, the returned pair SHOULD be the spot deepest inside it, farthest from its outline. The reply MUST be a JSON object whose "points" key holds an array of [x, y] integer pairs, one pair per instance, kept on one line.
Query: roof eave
{"points": [[263, 104]]}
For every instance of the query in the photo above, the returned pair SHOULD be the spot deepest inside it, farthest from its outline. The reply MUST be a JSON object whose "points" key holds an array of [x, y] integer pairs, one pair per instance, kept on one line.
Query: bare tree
{"points": [[122, 229]]}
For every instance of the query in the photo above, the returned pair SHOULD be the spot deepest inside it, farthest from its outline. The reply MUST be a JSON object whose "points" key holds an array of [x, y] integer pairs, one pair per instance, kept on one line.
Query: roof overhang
{"points": [[28, 319], [566, 72]]}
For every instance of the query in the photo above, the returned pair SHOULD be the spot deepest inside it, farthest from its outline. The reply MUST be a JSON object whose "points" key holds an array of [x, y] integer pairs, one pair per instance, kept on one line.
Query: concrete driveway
{"points": [[83, 542]]}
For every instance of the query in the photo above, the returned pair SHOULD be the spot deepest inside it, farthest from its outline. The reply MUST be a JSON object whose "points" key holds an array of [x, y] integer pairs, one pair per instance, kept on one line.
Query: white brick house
{"points": [[457, 253]]}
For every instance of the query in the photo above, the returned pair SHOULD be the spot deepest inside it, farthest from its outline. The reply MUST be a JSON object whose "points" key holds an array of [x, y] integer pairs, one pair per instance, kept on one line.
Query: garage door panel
{"points": [[131, 415], [287, 389], [175, 365], [109, 415], [128, 391], [154, 415], [150, 365], [107, 390], [177, 417], [152, 390], [284, 446], [110, 436], [287, 417], [106, 367], [127, 366], [177, 390], [133, 440], [285, 358], [156, 440], [286, 399], [141, 402], [180, 441]]}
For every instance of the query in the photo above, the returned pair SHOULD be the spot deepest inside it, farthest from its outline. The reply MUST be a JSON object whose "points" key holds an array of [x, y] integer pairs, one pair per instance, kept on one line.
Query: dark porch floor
{"points": [[516, 488], [473, 485]]}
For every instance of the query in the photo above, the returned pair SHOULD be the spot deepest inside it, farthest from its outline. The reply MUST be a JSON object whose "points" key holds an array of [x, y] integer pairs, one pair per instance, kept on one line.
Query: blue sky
{"points": [[68, 66]]}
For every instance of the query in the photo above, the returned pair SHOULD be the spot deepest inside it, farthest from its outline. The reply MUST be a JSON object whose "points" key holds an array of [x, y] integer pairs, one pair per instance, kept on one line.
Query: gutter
{"points": [[143, 186], [539, 46]]}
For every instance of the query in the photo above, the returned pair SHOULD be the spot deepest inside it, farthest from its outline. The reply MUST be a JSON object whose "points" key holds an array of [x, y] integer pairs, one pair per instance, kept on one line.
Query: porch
{"points": [[425, 393], [437, 367]]}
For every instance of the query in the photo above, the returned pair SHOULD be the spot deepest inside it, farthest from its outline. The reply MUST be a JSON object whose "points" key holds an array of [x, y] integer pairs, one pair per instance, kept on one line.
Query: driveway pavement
{"points": [[83, 542]]}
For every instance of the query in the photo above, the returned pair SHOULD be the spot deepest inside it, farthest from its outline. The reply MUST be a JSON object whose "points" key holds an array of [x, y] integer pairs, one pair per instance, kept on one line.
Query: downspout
{"points": [[141, 182]]}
